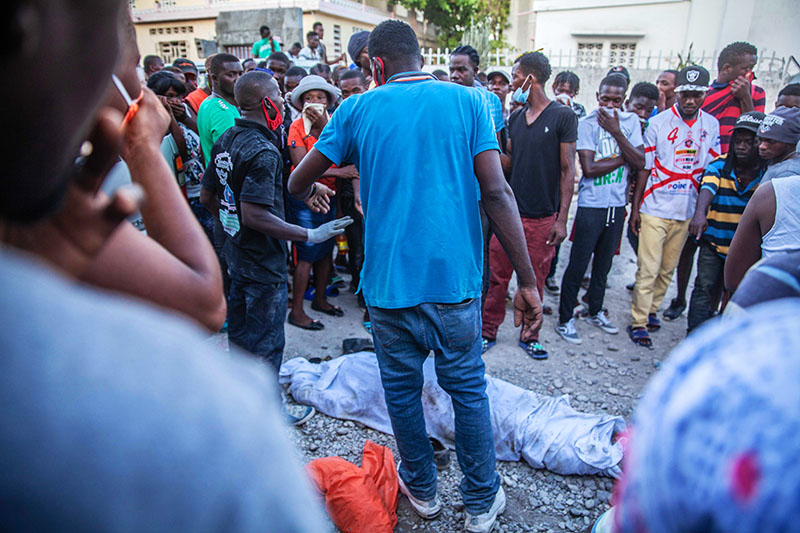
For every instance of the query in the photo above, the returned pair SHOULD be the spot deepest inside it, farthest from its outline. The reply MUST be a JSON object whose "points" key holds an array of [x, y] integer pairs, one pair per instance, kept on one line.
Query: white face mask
{"points": [[520, 96], [565, 99]]}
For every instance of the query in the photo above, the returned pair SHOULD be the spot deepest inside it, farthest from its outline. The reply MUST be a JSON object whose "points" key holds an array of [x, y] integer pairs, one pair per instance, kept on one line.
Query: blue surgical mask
{"points": [[520, 96]]}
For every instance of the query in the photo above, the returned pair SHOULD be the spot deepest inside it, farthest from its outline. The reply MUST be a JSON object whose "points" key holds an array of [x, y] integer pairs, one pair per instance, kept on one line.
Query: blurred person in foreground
{"points": [[118, 416], [714, 442], [427, 297]]}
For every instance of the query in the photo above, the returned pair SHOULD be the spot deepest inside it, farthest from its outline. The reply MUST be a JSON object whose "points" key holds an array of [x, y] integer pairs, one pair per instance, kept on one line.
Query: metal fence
{"points": [[639, 60]]}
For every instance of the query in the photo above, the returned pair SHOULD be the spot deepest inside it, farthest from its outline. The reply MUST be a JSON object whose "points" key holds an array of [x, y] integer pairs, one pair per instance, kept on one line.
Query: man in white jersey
{"points": [[678, 143]]}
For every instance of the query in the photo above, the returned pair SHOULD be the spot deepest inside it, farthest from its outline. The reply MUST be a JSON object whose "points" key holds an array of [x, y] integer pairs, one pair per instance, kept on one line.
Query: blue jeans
{"points": [[403, 338], [256, 313]]}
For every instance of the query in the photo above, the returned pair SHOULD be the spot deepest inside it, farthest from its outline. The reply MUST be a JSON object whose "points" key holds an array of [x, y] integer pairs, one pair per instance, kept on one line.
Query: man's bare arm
{"points": [[256, 217], [745, 249], [559, 231]]}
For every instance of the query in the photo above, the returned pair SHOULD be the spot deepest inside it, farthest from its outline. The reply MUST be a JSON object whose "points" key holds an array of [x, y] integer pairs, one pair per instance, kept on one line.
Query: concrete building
{"points": [[189, 28], [596, 33]]}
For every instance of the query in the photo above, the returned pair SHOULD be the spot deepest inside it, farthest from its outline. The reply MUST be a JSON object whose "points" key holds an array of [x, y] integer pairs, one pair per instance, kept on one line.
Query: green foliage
{"points": [[495, 13], [684, 62], [451, 17], [477, 36]]}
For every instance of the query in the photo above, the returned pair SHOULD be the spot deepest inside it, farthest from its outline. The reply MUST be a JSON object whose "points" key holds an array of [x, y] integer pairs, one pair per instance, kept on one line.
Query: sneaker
{"points": [[426, 509], [601, 321], [484, 522], [486, 344], [551, 286], [675, 310], [304, 415], [568, 332]]}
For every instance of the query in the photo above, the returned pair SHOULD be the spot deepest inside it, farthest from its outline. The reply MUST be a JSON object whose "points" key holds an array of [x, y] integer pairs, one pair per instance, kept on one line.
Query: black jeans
{"points": [[710, 272], [355, 238], [219, 244], [597, 231], [256, 313], [554, 262]]}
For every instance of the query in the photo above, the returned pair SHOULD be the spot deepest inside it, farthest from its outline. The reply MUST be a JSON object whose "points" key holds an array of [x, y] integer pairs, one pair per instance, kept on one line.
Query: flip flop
{"points": [[640, 337], [315, 325], [653, 323], [333, 310], [534, 349]]}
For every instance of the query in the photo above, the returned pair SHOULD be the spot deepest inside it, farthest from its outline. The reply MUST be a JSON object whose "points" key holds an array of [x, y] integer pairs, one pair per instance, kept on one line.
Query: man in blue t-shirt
{"points": [[425, 297]]}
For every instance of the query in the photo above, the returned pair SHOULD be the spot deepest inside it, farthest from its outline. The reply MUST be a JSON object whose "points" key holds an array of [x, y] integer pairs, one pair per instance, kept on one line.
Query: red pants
{"points": [[541, 253]]}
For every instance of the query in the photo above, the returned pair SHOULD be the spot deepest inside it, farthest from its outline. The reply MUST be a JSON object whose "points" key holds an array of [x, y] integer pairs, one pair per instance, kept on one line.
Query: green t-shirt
{"points": [[263, 49], [214, 118]]}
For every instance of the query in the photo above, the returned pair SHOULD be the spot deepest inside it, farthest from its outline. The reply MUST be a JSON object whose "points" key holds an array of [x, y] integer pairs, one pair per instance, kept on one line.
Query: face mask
{"points": [[565, 99], [520, 96], [133, 104], [272, 123]]}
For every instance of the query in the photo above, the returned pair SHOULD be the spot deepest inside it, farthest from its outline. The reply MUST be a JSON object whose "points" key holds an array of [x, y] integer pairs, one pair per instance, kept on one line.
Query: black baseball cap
{"points": [[693, 78], [750, 121], [620, 70]]}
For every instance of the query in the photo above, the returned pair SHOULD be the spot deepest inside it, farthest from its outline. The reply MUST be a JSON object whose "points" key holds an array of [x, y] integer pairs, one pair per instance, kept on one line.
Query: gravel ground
{"points": [[604, 374]]}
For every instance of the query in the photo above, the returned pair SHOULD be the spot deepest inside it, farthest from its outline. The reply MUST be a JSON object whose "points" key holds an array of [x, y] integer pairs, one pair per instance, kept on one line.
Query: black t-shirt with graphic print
{"points": [[246, 166]]}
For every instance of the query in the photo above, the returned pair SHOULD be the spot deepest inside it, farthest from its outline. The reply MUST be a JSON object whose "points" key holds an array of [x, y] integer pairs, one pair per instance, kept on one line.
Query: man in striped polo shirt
{"points": [[728, 183], [730, 95]]}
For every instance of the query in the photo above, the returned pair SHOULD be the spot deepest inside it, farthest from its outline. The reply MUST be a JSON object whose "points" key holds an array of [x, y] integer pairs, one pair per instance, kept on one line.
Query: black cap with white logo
{"points": [[693, 78]]}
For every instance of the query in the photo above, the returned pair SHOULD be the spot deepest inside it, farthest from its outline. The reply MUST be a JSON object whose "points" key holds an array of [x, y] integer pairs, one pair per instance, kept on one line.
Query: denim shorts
{"points": [[298, 213]]}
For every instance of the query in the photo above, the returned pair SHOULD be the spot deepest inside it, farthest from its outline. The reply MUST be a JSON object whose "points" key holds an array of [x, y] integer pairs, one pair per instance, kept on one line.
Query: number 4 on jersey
{"points": [[673, 135]]}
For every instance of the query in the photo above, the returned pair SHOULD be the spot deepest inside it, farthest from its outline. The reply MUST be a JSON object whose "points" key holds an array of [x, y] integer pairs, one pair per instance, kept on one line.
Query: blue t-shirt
{"points": [[413, 141], [495, 107]]}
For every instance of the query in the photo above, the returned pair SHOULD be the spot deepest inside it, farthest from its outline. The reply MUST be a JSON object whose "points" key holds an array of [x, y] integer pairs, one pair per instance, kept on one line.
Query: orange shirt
{"points": [[298, 137], [195, 98]]}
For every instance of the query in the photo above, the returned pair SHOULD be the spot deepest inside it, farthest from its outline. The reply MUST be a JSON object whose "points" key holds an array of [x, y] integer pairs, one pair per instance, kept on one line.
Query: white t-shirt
{"points": [[609, 190], [676, 153]]}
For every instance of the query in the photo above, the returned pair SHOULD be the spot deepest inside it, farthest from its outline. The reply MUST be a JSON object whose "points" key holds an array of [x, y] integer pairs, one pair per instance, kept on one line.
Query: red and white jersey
{"points": [[676, 152]]}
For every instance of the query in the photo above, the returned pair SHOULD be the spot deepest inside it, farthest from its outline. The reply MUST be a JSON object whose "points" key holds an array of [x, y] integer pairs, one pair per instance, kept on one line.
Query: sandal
{"points": [[534, 349], [653, 323], [640, 337], [333, 310], [315, 325]]}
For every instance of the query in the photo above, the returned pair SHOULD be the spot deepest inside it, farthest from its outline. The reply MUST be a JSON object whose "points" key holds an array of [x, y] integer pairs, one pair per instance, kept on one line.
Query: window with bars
{"points": [[132, 4], [590, 54], [622, 54], [170, 50], [337, 40]]}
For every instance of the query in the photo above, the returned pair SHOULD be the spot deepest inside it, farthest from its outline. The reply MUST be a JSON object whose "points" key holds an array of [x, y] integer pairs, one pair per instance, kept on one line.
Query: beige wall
{"points": [[187, 32], [347, 28]]}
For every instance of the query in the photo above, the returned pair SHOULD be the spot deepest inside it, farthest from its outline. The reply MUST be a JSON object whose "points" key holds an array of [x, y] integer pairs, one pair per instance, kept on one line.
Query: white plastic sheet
{"points": [[545, 431]]}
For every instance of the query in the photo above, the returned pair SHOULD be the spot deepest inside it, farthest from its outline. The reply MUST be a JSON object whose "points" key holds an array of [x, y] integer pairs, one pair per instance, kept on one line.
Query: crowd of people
{"points": [[269, 179]]}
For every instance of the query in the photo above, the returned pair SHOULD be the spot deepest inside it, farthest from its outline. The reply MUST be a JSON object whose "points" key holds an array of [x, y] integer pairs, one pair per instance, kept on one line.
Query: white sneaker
{"points": [[483, 523], [568, 332], [426, 509], [601, 321]]}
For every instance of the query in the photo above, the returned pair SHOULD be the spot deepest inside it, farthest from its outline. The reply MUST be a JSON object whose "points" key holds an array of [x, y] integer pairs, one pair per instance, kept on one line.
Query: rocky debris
{"points": [[604, 374]]}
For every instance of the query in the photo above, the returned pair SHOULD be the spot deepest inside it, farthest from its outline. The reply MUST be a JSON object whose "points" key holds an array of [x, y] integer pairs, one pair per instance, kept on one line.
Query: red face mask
{"points": [[272, 123]]}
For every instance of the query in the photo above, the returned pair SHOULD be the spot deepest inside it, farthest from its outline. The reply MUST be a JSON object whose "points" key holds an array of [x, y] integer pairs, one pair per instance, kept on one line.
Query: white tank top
{"points": [[784, 236]]}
